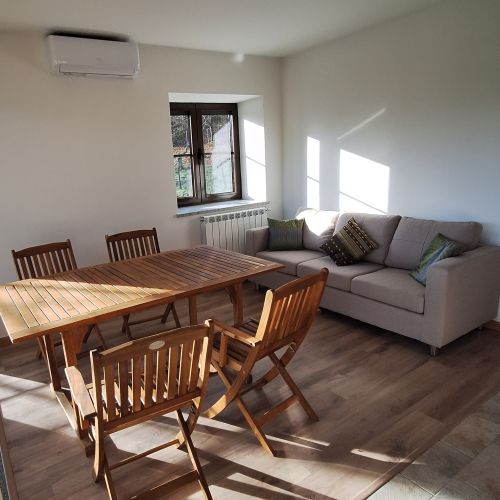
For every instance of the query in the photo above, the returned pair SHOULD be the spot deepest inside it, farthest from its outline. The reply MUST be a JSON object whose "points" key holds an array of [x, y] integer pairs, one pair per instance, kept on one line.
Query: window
{"points": [[206, 152]]}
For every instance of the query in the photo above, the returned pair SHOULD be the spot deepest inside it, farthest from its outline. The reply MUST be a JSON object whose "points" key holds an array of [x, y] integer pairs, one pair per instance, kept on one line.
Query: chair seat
{"points": [[237, 351]]}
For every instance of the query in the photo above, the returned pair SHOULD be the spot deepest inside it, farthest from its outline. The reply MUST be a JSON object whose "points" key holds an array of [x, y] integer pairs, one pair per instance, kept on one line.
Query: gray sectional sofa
{"points": [[462, 293]]}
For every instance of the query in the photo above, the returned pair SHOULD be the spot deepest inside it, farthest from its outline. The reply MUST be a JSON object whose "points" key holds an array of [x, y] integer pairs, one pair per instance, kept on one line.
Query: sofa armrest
{"points": [[256, 240], [462, 293]]}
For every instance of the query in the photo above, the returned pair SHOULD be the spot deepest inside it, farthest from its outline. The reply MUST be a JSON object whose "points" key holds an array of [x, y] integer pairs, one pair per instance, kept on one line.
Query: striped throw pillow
{"points": [[285, 234], [349, 245]]}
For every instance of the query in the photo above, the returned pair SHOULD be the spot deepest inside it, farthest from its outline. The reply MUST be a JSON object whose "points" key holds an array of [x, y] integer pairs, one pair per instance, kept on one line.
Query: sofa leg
{"points": [[434, 350]]}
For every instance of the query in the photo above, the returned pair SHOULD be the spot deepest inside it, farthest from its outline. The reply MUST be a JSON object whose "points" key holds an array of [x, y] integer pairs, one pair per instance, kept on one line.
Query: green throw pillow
{"points": [[285, 234], [439, 248], [349, 245]]}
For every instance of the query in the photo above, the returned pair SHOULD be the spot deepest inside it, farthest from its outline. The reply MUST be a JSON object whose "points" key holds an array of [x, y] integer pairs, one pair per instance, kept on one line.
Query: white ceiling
{"points": [[260, 27]]}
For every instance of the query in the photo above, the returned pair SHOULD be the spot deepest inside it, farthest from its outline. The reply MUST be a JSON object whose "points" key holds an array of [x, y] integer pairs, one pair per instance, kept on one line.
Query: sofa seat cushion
{"points": [[391, 286], [289, 258], [340, 276], [413, 236], [380, 228]]}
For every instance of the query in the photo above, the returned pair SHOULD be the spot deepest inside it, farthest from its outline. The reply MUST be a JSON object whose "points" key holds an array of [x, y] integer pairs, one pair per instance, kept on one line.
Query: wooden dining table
{"points": [[68, 303]]}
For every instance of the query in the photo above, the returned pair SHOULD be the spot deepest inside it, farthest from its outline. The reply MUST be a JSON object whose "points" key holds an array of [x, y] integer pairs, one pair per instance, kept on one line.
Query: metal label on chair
{"points": [[154, 346]]}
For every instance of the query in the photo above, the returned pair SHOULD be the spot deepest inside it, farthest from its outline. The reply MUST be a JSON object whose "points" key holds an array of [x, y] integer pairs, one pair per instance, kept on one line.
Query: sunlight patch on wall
{"points": [[255, 155], [362, 124], [364, 184], [313, 173]]}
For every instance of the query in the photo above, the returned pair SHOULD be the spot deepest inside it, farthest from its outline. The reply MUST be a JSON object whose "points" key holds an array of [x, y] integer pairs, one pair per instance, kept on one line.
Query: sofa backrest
{"points": [[318, 226], [380, 228], [413, 236]]}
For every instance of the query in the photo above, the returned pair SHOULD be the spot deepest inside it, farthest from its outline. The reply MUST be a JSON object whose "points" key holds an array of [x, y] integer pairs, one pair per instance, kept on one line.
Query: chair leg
{"points": [[109, 481], [193, 455], [273, 372], [97, 332], [293, 387], [193, 417], [234, 388], [176, 317], [99, 458], [40, 350], [233, 394], [99, 335], [254, 426], [126, 327], [171, 308]]}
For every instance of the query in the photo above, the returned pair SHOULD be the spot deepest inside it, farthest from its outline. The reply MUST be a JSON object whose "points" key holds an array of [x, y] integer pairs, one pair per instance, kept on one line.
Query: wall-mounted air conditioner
{"points": [[69, 55]]}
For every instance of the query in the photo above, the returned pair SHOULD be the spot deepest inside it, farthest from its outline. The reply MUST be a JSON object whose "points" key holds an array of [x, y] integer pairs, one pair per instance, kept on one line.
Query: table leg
{"points": [[193, 310], [237, 300], [50, 357], [72, 341]]}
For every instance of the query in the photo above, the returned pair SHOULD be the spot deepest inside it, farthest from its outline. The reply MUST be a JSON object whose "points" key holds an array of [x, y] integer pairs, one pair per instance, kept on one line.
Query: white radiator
{"points": [[228, 230]]}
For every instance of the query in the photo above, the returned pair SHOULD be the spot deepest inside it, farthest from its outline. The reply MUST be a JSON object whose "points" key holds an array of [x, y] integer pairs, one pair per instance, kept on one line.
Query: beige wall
{"points": [[406, 116]]}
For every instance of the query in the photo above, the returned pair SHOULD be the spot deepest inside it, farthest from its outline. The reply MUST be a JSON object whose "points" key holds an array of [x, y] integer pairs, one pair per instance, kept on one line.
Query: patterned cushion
{"points": [[285, 234], [349, 245], [439, 248]]}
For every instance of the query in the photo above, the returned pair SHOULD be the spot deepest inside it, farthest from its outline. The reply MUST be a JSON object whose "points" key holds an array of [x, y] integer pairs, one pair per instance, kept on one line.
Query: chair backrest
{"points": [[131, 244], [151, 376], [289, 310], [41, 260]]}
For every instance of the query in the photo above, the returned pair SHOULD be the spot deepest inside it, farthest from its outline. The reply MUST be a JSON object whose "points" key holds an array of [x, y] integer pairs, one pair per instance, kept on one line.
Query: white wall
{"points": [[81, 157], [431, 84], [417, 98], [253, 149]]}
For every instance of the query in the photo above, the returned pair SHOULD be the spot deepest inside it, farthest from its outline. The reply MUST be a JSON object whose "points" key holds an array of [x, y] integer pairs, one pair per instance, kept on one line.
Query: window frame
{"points": [[195, 111]]}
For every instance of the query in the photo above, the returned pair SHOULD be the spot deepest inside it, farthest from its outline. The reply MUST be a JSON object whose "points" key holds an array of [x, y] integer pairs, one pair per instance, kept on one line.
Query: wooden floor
{"points": [[382, 401]]}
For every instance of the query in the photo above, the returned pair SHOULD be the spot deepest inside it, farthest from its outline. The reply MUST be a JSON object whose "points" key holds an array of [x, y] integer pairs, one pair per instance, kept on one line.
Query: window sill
{"points": [[225, 206]]}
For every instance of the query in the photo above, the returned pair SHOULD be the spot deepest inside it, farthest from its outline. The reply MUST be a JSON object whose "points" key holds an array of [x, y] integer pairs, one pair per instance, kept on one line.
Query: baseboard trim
{"points": [[493, 325], [4, 342]]}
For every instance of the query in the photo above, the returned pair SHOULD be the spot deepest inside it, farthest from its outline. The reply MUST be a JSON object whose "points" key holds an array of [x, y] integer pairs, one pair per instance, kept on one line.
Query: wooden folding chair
{"points": [[139, 381], [286, 318], [129, 245], [40, 261]]}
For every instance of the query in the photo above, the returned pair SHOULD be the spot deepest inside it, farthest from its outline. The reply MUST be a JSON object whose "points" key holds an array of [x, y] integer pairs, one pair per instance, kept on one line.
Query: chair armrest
{"points": [[79, 392], [256, 240], [235, 334], [462, 293]]}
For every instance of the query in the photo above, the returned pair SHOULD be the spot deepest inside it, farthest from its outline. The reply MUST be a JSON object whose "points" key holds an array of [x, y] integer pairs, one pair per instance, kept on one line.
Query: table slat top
{"points": [[35, 307]]}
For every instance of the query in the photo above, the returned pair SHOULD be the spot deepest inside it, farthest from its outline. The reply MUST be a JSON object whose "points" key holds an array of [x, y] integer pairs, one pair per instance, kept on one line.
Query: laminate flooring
{"points": [[462, 466], [382, 402]]}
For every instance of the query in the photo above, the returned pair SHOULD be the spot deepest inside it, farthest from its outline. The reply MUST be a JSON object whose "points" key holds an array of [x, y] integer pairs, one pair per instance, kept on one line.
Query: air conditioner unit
{"points": [[70, 55]]}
